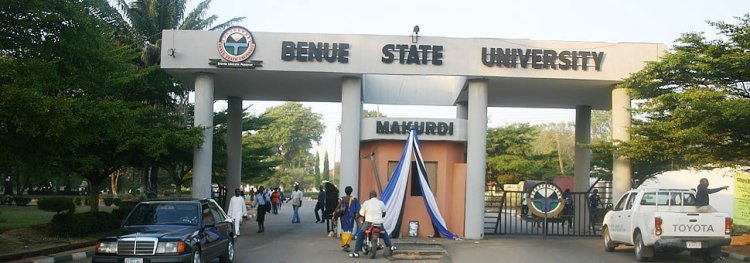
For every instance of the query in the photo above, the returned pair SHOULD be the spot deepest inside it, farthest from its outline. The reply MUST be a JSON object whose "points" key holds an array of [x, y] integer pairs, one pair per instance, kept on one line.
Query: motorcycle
{"points": [[373, 241]]}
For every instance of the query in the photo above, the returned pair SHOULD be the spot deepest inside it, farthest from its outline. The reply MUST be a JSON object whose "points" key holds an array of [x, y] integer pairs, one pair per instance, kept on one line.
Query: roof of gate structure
{"points": [[437, 74]]}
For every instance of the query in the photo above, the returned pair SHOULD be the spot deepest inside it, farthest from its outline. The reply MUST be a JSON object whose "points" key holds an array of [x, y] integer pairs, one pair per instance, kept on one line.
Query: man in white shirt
{"points": [[296, 203], [373, 211], [237, 210]]}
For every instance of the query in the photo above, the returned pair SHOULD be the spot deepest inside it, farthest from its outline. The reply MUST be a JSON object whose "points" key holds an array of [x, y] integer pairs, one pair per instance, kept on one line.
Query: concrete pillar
{"points": [[462, 110], [234, 145], [621, 119], [351, 117], [582, 165], [204, 118], [476, 159]]}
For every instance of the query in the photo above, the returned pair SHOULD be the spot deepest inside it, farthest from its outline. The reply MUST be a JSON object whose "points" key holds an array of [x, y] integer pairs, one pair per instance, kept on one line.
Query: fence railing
{"points": [[513, 216]]}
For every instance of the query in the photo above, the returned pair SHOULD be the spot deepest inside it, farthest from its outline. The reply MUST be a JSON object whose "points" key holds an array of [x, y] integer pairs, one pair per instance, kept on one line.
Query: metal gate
{"points": [[507, 213]]}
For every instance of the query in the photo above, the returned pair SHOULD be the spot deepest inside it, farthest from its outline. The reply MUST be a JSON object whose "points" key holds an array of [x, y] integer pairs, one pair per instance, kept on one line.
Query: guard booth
{"points": [[442, 143]]}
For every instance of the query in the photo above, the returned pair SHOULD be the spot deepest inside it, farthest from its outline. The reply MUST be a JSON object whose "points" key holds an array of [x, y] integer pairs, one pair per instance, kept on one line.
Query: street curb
{"points": [[66, 258], [46, 251], [737, 256]]}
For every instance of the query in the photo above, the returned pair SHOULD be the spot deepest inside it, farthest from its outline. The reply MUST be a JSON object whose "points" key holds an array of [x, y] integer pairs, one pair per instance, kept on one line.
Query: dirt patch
{"points": [[31, 239]]}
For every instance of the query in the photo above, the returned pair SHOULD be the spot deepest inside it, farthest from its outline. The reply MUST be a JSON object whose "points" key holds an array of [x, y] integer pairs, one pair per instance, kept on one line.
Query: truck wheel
{"points": [[640, 249], [609, 246], [709, 259], [228, 255], [707, 255]]}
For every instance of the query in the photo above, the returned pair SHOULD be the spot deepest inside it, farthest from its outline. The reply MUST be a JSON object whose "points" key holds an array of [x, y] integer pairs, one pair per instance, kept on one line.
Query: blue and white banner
{"points": [[395, 192]]}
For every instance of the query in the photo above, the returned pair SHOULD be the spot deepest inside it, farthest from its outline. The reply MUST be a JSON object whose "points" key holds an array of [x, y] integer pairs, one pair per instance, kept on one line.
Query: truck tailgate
{"points": [[693, 224]]}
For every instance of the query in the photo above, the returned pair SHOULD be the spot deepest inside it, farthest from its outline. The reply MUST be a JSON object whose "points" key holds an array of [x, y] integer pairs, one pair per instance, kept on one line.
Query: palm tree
{"points": [[149, 17], [144, 21]]}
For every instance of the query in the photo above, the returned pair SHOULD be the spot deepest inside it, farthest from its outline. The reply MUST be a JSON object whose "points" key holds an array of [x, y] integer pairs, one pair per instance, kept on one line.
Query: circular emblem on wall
{"points": [[546, 199], [236, 44]]}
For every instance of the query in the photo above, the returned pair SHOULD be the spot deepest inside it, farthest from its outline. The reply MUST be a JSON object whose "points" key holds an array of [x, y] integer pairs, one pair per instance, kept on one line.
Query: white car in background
{"points": [[655, 220]]}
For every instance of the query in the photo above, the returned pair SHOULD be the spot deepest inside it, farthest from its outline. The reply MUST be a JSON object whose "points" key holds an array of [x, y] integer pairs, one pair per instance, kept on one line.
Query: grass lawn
{"points": [[25, 229], [28, 216]]}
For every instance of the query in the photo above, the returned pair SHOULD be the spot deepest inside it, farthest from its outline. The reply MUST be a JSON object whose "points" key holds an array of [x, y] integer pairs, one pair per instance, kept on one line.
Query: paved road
{"points": [[307, 242]]}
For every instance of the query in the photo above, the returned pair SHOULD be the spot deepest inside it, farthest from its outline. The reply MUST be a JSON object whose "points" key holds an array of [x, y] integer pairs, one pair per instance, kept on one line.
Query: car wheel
{"points": [[640, 249], [197, 255], [609, 246], [228, 256]]}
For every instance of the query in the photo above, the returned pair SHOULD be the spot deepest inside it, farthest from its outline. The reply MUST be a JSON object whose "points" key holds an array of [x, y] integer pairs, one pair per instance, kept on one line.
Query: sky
{"points": [[650, 21]]}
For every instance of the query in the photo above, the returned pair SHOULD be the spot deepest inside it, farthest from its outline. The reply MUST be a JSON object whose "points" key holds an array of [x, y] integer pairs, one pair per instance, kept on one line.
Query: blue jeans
{"points": [[295, 217], [361, 238]]}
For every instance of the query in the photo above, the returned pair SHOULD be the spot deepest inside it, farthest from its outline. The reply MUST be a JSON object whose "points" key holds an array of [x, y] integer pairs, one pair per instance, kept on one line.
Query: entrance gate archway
{"points": [[470, 74]]}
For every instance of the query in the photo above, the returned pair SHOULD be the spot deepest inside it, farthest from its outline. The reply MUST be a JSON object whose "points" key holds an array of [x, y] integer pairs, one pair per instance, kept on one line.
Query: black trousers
{"points": [[319, 206]]}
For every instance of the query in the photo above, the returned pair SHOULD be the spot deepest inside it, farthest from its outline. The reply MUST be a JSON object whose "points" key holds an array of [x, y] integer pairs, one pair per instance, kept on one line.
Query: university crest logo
{"points": [[546, 199], [235, 46]]}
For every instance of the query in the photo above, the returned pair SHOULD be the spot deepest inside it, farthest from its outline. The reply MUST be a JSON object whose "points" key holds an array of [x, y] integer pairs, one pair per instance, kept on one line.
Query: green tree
{"points": [[326, 167], [143, 22], [510, 158], [258, 155], [293, 131], [317, 169], [148, 18], [104, 112], [557, 139], [601, 127], [259, 160], [694, 103]]}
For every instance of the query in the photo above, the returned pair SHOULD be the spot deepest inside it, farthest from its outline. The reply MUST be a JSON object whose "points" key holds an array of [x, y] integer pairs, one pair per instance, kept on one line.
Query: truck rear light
{"points": [[727, 225], [657, 226]]}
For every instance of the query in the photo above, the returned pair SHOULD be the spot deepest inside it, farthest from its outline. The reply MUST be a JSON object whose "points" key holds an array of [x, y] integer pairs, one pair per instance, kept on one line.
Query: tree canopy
{"points": [[78, 100], [294, 130], [510, 158], [148, 18], [693, 105]]}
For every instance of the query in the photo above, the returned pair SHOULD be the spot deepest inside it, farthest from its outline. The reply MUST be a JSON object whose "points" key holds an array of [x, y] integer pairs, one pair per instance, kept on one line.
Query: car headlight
{"points": [[106, 247], [170, 247]]}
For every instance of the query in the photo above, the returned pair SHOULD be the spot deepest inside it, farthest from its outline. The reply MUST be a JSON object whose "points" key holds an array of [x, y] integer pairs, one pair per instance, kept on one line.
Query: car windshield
{"points": [[164, 214]]}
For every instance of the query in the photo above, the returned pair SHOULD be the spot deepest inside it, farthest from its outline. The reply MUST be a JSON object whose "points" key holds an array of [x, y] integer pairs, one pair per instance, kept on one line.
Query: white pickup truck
{"points": [[665, 220]]}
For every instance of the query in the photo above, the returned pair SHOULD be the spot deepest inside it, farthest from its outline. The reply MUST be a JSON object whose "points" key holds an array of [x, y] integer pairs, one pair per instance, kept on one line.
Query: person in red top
{"points": [[275, 197]]}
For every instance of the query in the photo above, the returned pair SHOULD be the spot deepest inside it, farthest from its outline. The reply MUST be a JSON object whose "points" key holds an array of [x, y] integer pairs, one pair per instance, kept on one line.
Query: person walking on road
{"points": [[350, 206], [237, 210], [275, 201], [594, 203], [320, 205], [701, 196], [263, 203], [296, 203]]}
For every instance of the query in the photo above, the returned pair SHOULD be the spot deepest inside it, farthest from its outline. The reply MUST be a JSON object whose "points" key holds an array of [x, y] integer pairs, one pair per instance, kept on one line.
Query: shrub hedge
{"points": [[21, 201], [83, 224], [57, 204]]}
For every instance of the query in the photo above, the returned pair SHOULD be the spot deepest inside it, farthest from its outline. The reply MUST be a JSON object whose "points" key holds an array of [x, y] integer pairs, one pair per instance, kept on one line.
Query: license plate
{"points": [[133, 260], [689, 244]]}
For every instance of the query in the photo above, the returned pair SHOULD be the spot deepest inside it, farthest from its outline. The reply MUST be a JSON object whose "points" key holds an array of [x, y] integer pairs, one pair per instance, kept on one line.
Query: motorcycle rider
{"points": [[373, 211]]}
